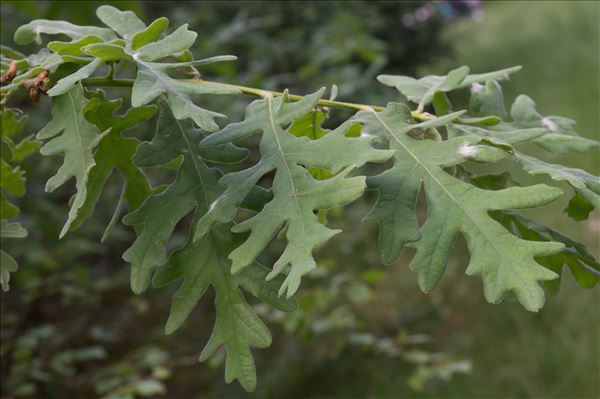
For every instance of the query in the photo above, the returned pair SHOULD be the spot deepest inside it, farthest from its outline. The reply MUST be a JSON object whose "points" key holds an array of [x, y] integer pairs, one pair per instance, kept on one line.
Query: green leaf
{"points": [[503, 134], [488, 100], [529, 126], [142, 46], [114, 152], [560, 136], [13, 121], [296, 194], [12, 230], [76, 143], [178, 41], [106, 52], [37, 63], [484, 120], [33, 31], [504, 261], [203, 262], [7, 210], [44, 60], [579, 208], [492, 182], [422, 90], [12, 180], [25, 148], [7, 263], [159, 213], [585, 185], [395, 213], [441, 104], [125, 23], [8, 55], [68, 82], [584, 267], [310, 125], [153, 80], [74, 47], [150, 34]]}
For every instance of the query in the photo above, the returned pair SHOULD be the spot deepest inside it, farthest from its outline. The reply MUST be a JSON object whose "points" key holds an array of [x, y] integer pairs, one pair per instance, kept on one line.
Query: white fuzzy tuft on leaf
{"points": [[468, 151]]}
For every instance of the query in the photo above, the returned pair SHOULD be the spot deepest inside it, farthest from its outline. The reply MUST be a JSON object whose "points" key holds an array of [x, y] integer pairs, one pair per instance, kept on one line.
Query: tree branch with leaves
{"points": [[431, 148]]}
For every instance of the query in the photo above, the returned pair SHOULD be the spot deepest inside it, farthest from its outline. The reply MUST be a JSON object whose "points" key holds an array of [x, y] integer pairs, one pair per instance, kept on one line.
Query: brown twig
{"points": [[35, 86], [9, 75]]}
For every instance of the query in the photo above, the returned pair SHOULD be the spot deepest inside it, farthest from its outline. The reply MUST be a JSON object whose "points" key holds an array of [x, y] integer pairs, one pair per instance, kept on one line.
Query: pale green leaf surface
{"points": [[505, 262], [76, 144], [200, 263], [422, 90], [125, 23], [12, 230], [152, 79], [483, 120], [584, 183], [529, 126], [553, 133], [296, 194], [584, 267], [560, 136], [204, 263], [44, 59], [397, 223], [74, 47], [181, 39], [502, 133], [7, 263], [150, 83], [105, 51], [33, 31], [173, 139], [150, 34], [488, 100], [67, 83], [114, 153]]}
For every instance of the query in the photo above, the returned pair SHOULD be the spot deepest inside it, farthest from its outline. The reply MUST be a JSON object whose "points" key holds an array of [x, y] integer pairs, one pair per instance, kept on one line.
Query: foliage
{"points": [[12, 183], [433, 150]]}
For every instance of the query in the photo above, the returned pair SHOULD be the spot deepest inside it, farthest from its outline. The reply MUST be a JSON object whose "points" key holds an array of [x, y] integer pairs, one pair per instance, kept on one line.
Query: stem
{"points": [[109, 81]]}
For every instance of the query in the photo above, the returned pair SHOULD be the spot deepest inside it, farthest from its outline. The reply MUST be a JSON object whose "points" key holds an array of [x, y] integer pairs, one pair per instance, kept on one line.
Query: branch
{"points": [[109, 81]]}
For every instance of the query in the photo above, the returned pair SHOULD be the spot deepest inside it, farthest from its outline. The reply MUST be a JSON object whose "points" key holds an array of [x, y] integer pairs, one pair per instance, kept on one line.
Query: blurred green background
{"points": [[72, 329]]}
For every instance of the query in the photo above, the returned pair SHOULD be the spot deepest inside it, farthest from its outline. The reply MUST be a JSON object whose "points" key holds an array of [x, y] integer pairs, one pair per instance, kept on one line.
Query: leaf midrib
{"points": [[282, 155]]}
